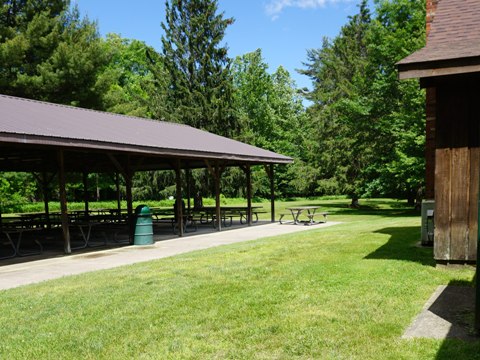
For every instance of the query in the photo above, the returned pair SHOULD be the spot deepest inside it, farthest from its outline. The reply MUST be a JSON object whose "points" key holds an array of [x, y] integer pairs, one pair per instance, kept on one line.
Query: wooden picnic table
{"points": [[309, 211]]}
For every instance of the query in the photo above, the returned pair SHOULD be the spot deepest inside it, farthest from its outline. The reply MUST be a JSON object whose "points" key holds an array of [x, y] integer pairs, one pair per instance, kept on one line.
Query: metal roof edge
{"points": [[77, 144]]}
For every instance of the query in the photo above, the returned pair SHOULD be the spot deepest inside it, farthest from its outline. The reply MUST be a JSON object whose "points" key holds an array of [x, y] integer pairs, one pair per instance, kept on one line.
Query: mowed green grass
{"points": [[344, 292]]}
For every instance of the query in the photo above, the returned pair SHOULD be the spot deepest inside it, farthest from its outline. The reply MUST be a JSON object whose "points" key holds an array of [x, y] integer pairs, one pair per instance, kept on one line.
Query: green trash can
{"points": [[143, 226]]}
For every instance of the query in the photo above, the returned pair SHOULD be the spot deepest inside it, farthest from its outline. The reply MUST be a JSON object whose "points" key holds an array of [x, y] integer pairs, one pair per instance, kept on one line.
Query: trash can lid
{"points": [[143, 209]]}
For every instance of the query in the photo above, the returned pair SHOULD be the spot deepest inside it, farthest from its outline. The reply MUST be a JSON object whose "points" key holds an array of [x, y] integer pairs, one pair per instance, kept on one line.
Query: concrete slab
{"points": [[448, 314], [15, 275]]}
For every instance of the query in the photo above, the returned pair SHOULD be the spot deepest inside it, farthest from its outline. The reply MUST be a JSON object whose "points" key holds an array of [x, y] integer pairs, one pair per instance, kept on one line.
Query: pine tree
{"points": [[341, 107], [48, 52], [200, 92], [368, 124]]}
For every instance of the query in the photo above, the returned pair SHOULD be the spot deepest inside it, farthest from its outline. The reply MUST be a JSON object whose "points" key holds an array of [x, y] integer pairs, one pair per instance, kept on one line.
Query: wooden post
{"points": [[63, 203], [477, 271], [128, 187], [272, 193], [45, 183], [430, 124], [189, 189], [271, 175], [85, 193], [248, 173], [218, 211], [216, 173], [119, 203], [179, 214]]}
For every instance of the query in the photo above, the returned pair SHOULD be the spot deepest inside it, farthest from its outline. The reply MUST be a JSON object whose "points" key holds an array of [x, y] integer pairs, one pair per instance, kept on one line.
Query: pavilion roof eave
{"points": [[437, 68], [83, 145], [30, 125]]}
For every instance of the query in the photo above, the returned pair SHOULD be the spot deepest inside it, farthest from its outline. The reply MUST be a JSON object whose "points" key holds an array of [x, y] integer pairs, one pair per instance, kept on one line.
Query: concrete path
{"points": [[36, 271], [448, 314]]}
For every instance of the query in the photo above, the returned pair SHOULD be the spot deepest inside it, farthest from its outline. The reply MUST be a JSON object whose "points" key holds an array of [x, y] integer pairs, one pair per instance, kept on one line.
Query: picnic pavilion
{"points": [[52, 140]]}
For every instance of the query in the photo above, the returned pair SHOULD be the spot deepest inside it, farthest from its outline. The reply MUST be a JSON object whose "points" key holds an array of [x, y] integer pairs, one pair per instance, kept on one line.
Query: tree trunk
{"points": [[354, 204]]}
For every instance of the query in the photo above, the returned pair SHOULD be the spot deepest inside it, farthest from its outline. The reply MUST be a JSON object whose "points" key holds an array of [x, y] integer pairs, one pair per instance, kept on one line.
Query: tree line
{"points": [[361, 134]]}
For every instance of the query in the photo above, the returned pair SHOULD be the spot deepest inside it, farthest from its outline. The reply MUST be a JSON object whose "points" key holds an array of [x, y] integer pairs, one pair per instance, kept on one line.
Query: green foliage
{"points": [[127, 80], [154, 185], [369, 126], [397, 31], [47, 52], [341, 110], [271, 116], [15, 190], [363, 135], [200, 88]]}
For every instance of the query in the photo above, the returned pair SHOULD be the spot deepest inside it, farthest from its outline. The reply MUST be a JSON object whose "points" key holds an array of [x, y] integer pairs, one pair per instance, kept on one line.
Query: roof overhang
{"points": [[428, 69], [32, 133]]}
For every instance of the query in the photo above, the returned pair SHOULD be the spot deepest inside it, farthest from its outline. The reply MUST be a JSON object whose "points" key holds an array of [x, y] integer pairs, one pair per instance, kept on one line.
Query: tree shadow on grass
{"points": [[341, 208], [403, 245]]}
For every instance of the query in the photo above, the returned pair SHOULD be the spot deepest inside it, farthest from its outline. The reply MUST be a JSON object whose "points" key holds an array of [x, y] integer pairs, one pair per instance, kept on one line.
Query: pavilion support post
{"points": [[128, 187], [218, 211], [178, 200], [188, 173], [216, 173], [248, 174], [45, 183], [63, 202], [125, 170], [477, 272], [119, 199], [271, 174], [249, 195], [85, 193]]}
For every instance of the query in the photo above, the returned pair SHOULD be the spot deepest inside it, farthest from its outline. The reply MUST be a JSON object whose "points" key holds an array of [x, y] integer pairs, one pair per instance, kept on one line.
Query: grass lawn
{"points": [[343, 292]]}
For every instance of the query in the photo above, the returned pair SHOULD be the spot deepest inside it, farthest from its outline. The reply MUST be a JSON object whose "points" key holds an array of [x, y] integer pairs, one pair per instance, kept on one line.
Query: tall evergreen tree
{"points": [[341, 108], [368, 124], [397, 31], [200, 91], [48, 52]]}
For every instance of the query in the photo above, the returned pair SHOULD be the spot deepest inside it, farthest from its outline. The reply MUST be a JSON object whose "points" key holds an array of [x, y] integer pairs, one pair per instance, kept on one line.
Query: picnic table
{"points": [[167, 215], [309, 211], [13, 232], [208, 214]]}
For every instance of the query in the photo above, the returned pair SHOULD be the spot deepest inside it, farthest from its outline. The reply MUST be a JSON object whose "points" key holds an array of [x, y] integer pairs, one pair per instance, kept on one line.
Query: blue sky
{"points": [[283, 29]]}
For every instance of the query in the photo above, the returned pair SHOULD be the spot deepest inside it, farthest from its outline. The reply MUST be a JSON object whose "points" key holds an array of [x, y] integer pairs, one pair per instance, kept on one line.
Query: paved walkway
{"points": [[448, 314], [36, 271]]}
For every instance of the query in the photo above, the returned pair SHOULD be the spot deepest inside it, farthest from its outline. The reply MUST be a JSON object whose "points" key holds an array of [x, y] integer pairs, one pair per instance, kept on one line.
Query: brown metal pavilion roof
{"points": [[31, 132], [453, 44]]}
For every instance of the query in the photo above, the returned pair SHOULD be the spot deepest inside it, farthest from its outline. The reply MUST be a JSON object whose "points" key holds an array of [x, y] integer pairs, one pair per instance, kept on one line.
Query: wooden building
{"points": [[449, 69]]}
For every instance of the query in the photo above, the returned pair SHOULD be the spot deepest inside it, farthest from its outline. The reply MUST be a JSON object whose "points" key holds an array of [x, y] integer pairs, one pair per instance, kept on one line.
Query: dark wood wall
{"points": [[430, 124], [457, 167]]}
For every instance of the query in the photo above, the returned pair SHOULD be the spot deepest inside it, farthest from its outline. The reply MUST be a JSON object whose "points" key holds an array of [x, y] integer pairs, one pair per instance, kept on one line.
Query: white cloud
{"points": [[274, 7]]}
